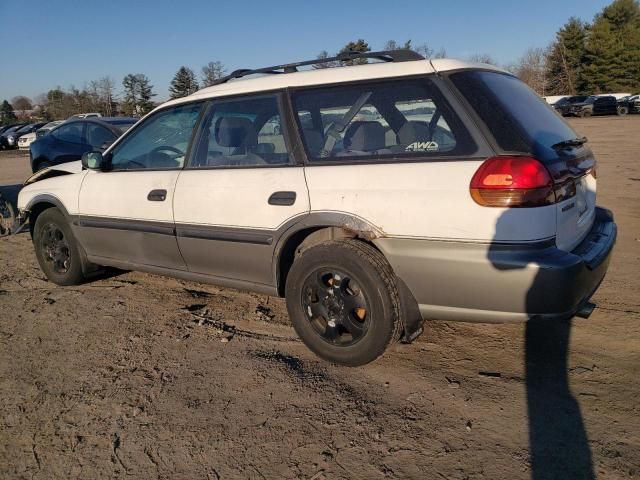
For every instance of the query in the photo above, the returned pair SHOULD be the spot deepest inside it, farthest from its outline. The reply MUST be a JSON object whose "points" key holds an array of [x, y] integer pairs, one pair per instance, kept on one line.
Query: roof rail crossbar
{"points": [[385, 56]]}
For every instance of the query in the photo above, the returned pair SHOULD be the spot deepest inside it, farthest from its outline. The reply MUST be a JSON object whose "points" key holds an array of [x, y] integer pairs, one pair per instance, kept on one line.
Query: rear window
{"points": [[385, 120], [518, 119]]}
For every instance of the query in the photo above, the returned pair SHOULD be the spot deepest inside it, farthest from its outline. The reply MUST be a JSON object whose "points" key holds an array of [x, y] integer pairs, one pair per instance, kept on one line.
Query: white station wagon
{"points": [[372, 197]]}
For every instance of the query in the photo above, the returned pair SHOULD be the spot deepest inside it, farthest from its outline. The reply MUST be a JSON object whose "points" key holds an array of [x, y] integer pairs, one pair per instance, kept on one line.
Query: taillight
{"points": [[510, 181]]}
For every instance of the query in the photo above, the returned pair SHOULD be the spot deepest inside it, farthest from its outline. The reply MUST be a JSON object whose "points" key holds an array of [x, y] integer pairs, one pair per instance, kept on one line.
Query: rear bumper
{"points": [[498, 283]]}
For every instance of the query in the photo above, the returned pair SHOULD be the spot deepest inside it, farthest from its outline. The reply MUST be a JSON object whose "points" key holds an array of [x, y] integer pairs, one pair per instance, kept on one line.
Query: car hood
{"points": [[55, 171], [29, 135]]}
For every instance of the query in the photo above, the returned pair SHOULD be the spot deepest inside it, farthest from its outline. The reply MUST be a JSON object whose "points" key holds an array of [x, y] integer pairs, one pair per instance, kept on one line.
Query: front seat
{"points": [[413, 131], [364, 138], [238, 134]]}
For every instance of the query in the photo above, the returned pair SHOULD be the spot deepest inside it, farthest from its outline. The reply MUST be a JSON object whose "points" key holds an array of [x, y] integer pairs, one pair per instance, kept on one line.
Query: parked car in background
{"points": [[48, 127], [594, 105], [629, 104], [84, 115], [5, 128], [70, 140], [14, 137], [26, 140], [563, 105], [484, 210], [4, 137]]}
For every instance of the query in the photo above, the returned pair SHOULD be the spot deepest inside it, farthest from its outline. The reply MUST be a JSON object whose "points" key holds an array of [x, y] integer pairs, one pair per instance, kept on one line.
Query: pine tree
{"points": [[358, 46], [7, 116], [566, 56], [137, 95], [624, 18], [211, 72], [145, 104], [612, 50], [603, 65], [184, 83]]}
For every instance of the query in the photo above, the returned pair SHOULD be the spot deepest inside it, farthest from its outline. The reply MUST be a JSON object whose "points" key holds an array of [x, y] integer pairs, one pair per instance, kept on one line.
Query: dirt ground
{"points": [[141, 376]]}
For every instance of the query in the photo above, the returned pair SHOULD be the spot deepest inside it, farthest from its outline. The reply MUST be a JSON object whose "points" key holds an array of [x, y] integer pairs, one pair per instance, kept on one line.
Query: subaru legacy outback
{"points": [[371, 197]]}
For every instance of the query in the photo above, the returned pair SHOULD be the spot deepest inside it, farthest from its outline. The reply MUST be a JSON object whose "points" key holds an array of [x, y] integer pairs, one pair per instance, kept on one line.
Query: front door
{"points": [[126, 213], [239, 192]]}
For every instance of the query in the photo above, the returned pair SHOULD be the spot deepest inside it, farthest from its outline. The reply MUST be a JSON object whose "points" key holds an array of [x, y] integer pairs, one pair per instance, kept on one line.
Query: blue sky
{"points": [[45, 43]]}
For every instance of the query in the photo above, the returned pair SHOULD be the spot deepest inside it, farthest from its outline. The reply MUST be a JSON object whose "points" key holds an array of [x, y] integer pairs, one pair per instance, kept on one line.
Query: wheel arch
{"points": [[39, 204], [307, 235]]}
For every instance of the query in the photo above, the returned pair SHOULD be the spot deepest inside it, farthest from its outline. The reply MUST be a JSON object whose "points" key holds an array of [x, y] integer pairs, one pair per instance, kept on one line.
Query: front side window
{"points": [[389, 120], [161, 142], [242, 132], [69, 133]]}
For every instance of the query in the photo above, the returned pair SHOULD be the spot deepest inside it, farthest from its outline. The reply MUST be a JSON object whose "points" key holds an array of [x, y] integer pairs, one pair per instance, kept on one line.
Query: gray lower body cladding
{"points": [[497, 283]]}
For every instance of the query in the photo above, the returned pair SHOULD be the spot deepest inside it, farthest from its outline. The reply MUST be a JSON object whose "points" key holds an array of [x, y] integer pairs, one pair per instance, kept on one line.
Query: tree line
{"points": [[135, 99], [588, 58]]}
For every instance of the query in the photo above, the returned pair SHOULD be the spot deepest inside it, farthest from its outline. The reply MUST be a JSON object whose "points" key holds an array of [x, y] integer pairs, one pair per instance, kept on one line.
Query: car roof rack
{"points": [[384, 55]]}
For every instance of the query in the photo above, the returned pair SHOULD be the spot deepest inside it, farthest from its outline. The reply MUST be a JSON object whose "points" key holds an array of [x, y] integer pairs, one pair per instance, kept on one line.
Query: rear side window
{"points": [[241, 133], [386, 120], [518, 119]]}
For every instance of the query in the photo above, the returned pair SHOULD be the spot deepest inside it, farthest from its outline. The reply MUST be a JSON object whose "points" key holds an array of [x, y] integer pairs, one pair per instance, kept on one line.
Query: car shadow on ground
{"points": [[558, 442]]}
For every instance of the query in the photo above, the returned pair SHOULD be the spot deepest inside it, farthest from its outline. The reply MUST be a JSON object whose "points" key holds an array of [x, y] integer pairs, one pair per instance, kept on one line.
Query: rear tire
{"points": [[343, 300], [56, 249], [623, 111]]}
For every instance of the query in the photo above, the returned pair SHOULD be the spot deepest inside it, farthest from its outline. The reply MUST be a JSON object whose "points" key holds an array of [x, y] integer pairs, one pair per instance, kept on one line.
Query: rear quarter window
{"points": [[517, 118]]}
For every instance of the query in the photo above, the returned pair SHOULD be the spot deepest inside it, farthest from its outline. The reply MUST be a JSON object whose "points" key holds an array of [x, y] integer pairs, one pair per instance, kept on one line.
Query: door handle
{"points": [[282, 198], [157, 196]]}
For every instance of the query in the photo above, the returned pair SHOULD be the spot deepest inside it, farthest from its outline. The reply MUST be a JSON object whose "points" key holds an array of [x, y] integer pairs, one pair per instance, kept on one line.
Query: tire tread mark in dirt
{"points": [[35, 453], [206, 317], [115, 443]]}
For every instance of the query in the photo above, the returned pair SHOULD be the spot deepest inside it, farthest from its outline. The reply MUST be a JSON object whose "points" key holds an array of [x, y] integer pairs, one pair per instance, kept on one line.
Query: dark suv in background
{"points": [[593, 105], [67, 142]]}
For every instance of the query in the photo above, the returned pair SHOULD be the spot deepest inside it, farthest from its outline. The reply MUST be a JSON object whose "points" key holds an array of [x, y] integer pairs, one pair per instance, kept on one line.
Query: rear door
{"points": [[520, 122], [240, 190]]}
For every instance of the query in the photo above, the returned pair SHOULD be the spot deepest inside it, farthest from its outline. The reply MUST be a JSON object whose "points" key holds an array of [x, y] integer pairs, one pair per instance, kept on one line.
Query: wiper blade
{"points": [[574, 142]]}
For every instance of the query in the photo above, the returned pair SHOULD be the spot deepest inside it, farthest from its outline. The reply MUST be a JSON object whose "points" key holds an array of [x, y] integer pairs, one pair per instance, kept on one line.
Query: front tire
{"points": [[56, 248], [623, 111], [343, 300]]}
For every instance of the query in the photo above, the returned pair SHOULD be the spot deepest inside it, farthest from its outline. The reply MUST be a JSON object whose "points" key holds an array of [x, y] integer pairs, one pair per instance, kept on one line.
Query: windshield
{"points": [[518, 118]]}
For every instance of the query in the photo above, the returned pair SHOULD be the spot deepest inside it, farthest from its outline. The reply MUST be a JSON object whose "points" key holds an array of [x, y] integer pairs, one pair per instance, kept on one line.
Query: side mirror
{"points": [[93, 161]]}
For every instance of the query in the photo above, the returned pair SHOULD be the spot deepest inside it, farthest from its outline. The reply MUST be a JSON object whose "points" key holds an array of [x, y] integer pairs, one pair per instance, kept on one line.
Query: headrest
{"points": [[235, 132], [413, 131], [364, 136]]}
